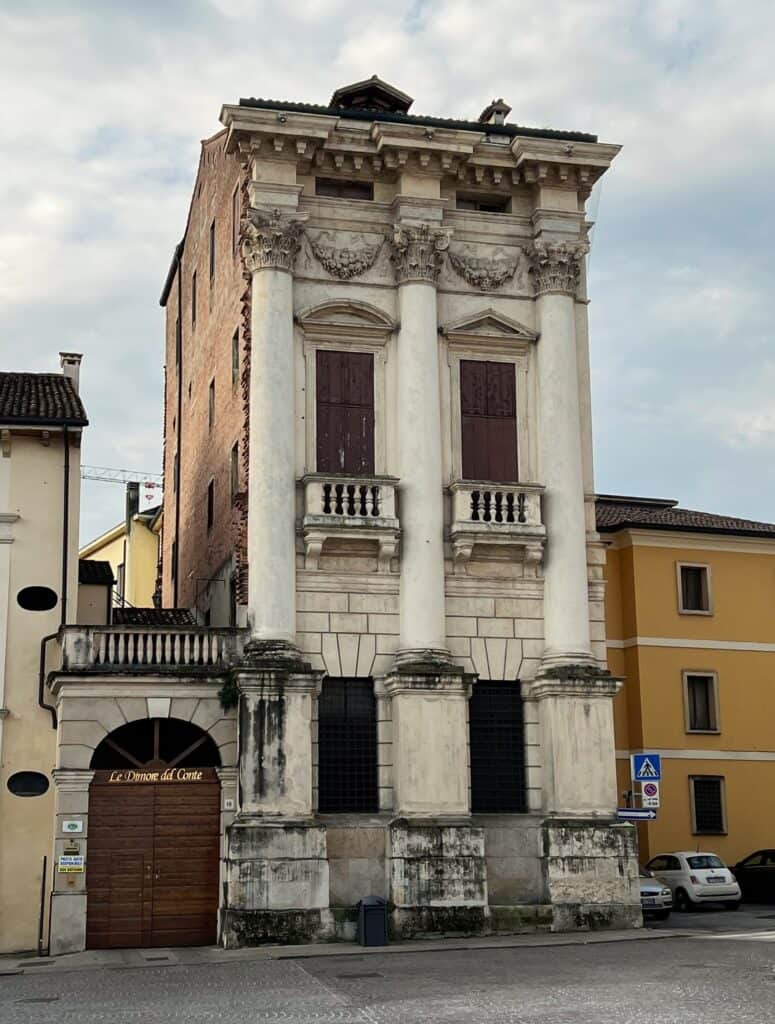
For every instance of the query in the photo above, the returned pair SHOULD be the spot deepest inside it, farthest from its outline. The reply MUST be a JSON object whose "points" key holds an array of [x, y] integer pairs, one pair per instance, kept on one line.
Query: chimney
{"points": [[495, 113], [71, 367], [132, 502]]}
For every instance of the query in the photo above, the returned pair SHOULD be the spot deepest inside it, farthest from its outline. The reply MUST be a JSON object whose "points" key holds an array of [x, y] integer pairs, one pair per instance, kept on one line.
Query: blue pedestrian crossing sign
{"points": [[646, 767]]}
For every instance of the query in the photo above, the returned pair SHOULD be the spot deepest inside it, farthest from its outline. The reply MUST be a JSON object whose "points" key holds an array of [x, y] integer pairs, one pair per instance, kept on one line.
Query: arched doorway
{"points": [[154, 837]]}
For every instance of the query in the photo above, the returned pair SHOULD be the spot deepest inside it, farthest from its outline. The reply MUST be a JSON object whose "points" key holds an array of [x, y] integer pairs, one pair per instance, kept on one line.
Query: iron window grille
{"points": [[708, 804], [347, 747], [497, 738]]}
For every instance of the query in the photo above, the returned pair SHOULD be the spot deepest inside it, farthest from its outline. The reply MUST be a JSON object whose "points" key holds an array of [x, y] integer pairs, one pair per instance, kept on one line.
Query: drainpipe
{"points": [[63, 598]]}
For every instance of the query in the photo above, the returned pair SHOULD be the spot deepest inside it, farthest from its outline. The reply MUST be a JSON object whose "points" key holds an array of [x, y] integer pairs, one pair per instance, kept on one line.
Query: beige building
{"points": [[41, 422], [379, 493], [131, 548]]}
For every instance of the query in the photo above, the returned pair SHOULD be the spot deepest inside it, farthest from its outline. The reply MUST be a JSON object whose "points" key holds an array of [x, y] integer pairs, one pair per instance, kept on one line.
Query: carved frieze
{"points": [[556, 266], [417, 252], [487, 273], [346, 261], [270, 240]]}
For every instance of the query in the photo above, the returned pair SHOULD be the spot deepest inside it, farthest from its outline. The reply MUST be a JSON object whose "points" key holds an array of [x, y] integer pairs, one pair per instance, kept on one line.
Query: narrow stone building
{"points": [[379, 505]]}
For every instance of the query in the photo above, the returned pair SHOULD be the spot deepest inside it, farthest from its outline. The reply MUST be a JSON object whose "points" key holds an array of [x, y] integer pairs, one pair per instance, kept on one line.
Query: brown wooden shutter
{"points": [[345, 412], [489, 420]]}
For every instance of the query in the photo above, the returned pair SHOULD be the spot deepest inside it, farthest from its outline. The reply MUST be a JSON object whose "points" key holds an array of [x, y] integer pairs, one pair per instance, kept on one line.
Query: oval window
{"points": [[37, 599], [28, 784]]}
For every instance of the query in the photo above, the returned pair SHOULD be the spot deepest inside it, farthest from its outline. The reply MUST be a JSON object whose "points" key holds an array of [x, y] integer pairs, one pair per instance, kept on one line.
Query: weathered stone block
{"points": [[496, 627], [383, 624], [433, 864], [386, 604], [315, 601], [348, 622], [470, 606], [461, 625]]}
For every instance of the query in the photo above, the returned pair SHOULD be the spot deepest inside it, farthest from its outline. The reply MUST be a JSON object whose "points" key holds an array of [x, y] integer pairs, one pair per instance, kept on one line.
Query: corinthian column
{"points": [[556, 268], [418, 252], [270, 243]]}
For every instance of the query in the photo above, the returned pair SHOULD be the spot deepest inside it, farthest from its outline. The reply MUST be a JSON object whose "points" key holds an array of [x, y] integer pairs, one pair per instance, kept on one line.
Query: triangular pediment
{"points": [[489, 323], [345, 316]]}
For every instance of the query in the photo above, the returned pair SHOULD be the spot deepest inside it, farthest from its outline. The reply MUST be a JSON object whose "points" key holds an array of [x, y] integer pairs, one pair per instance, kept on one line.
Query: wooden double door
{"points": [[153, 861]]}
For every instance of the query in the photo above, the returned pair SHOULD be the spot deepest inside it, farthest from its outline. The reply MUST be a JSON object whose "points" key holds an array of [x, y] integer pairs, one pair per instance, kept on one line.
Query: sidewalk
{"points": [[132, 959]]}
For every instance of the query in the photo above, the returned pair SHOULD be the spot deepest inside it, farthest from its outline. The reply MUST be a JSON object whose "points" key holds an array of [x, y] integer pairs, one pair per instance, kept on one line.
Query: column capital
{"points": [[417, 251], [556, 266], [270, 240]]}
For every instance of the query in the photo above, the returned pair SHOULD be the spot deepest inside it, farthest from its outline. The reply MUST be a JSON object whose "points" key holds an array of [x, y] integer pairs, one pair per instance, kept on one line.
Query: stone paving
{"points": [[563, 979], [674, 979]]}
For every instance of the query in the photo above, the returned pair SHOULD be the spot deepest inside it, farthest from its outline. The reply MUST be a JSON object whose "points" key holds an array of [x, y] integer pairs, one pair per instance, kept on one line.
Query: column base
{"points": [[273, 655], [426, 661], [437, 878], [276, 883], [591, 874]]}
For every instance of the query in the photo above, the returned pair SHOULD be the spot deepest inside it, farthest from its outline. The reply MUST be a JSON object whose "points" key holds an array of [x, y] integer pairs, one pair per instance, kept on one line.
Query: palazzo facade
{"points": [[379, 505]]}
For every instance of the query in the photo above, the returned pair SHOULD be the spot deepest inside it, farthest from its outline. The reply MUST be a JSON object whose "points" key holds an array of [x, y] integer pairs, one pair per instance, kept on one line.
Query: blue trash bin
{"points": [[372, 921]]}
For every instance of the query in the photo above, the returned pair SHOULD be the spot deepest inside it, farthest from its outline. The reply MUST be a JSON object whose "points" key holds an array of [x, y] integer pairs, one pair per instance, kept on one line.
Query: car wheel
{"points": [[732, 904], [682, 902]]}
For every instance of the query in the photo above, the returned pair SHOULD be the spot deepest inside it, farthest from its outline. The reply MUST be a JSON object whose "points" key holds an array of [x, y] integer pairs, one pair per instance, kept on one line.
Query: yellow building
{"points": [[132, 550], [690, 621]]}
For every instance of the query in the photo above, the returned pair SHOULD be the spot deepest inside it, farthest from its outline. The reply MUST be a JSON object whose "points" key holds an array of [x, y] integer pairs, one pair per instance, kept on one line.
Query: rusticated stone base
{"points": [[432, 922], [437, 878], [591, 874], [283, 927], [276, 883]]}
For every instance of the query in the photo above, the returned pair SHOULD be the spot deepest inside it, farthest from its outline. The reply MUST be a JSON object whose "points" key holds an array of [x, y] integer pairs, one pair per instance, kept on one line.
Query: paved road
{"points": [[707, 978]]}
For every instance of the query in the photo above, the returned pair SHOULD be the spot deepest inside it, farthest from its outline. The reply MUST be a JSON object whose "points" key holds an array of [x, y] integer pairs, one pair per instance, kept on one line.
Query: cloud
{"points": [[105, 104]]}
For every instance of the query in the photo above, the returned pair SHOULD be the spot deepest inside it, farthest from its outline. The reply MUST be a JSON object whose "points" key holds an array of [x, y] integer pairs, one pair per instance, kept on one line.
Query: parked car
{"points": [[696, 878], [756, 876], [656, 899]]}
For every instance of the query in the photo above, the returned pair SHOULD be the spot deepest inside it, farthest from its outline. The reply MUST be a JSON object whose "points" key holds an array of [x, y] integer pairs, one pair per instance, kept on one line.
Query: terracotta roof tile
{"points": [[40, 398], [619, 513], [153, 617], [93, 571]]}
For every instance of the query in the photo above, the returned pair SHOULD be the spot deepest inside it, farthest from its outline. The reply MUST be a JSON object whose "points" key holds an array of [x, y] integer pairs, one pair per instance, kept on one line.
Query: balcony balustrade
{"points": [[136, 649], [349, 507], [496, 514]]}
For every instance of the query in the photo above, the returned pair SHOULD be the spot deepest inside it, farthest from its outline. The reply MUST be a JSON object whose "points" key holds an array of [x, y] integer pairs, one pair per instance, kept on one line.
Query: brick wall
{"points": [[206, 354]]}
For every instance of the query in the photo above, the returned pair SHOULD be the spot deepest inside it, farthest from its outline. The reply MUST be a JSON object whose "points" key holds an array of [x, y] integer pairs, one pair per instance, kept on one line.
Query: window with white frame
{"points": [[694, 595], [335, 405], [701, 701]]}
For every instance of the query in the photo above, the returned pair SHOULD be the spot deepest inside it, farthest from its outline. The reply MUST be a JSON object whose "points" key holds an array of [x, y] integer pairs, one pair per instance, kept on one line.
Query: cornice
{"points": [[336, 143]]}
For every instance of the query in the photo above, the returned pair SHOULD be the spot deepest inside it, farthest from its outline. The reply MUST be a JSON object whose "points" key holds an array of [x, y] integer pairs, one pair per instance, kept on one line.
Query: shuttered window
{"points": [[496, 734], [345, 412], [347, 746], [489, 419]]}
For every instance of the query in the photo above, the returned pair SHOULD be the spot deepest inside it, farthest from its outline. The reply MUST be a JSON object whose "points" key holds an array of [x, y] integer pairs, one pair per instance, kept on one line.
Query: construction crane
{"points": [[150, 482]]}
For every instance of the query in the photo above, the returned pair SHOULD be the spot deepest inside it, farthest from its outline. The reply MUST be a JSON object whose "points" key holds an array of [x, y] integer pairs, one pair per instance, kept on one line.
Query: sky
{"points": [[104, 105]]}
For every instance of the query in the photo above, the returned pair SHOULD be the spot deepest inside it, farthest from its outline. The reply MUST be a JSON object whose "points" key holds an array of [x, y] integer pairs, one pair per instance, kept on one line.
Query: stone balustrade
{"points": [[501, 514], [138, 649], [349, 506]]}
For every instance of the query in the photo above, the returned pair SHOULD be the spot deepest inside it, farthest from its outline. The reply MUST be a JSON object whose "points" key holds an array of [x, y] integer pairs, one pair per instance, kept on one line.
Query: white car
{"points": [[695, 877]]}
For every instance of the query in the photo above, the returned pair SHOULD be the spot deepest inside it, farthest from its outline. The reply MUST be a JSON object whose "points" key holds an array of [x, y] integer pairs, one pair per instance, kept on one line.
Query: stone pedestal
{"points": [[590, 859], [437, 877], [437, 880], [276, 869], [68, 898], [592, 874], [276, 883]]}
